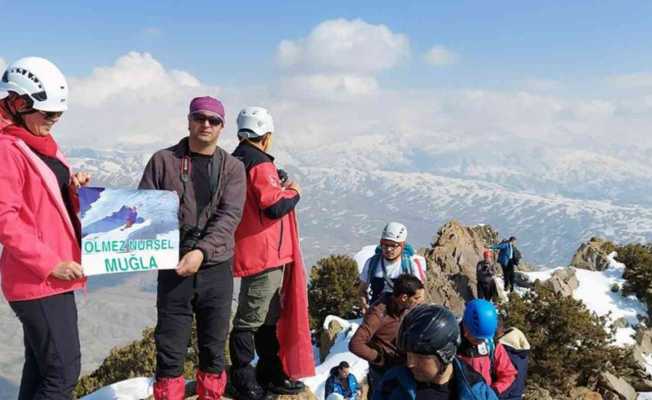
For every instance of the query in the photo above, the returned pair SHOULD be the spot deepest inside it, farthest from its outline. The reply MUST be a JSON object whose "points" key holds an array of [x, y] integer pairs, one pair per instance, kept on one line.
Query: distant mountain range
{"points": [[550, 199]]}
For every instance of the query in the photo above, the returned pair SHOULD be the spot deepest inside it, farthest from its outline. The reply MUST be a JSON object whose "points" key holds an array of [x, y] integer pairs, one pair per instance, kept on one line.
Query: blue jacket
{"points": [[333, 385], [520, 360], [398, 384], [506, 252]]}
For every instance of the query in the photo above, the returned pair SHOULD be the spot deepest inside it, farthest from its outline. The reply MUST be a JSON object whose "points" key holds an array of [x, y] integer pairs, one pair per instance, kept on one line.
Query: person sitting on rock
{"points": [[343, 382], [478, 349], [375, 339], [485, 274], [393, 257]]}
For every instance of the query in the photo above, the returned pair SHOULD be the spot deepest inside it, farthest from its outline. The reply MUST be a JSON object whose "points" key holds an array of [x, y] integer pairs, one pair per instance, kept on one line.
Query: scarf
{"points": [[41, 144]]}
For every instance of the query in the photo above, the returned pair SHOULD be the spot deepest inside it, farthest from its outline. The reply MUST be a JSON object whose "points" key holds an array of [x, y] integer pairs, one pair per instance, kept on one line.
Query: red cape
{"points": [[293, 327]]}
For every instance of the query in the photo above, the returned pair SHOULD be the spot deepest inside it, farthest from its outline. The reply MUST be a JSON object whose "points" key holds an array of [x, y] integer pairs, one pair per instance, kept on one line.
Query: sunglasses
{"points": [[50, 115], [201, 118]]}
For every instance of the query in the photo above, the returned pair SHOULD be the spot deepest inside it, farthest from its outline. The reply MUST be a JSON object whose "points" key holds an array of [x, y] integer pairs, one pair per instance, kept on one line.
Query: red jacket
{"points": [[263, 238], [504, 371], [36, 230]]}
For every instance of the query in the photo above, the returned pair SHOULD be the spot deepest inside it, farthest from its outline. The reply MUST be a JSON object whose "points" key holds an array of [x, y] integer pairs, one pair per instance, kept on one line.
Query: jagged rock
{"points": [[642, 385], [452, 261], [620, 323], [583, 393], [305, 395], [644, 340], [563, 282], [624, 390], [592, 255], [535, 392], [327, 338], [522, 280]]}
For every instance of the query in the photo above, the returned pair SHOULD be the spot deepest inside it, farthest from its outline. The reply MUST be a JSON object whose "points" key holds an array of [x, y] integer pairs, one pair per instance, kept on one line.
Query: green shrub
{"points": [[570, 344], [133, 360], [333, 289], [638, 270]]}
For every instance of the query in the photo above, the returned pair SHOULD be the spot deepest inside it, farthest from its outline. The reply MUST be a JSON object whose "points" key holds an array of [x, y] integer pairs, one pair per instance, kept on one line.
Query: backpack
{"points": [[377, 285]]}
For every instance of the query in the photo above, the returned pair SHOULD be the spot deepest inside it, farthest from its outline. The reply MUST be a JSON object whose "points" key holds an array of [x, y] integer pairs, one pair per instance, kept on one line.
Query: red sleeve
{"points": [[272, 198], [504, 369], [15, 235]]}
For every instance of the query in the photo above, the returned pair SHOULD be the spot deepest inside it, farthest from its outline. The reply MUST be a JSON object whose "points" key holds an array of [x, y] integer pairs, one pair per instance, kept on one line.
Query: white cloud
{"points": [[3, 64], [345, 46], [139, 101], [337, 87], [440, 55], [132, 101], [541, 85], [641, 80]]}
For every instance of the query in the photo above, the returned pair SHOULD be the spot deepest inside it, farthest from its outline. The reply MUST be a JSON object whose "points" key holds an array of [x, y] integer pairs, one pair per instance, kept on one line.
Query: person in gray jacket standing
{"points": [[211, 185]]}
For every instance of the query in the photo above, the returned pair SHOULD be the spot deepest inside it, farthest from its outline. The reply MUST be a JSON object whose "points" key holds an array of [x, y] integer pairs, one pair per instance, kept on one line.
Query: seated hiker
{"points": [[393, 257], [375, 339], [518, 349], [478, 349], [485, 273], [343, 382], [430, 335]]}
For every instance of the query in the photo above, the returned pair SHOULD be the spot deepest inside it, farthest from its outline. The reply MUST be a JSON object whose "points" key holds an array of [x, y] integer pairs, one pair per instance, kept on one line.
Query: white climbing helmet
{"points": [[254, 122], [395, 232], [40, 80]]}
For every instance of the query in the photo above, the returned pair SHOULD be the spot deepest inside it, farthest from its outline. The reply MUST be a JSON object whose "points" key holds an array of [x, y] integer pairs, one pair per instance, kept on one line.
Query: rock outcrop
{"points": [[563, 282], [617, 385], [452, 260], [592, 255]]}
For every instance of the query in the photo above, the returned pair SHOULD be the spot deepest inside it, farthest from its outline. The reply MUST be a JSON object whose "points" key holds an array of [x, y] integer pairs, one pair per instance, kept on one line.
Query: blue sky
{"points": [[232, 42]]}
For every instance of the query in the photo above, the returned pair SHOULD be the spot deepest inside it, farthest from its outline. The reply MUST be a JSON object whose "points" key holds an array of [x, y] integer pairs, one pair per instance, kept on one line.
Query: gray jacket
{"points": [[222, 215]]}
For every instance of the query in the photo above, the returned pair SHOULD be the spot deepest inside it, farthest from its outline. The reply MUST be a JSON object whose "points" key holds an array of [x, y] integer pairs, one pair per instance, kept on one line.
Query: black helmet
{"points": [[430, 330]]}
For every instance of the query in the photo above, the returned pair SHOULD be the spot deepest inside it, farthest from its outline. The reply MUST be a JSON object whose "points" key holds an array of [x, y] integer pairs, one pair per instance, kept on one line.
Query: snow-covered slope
{"points": [[594, 290]]}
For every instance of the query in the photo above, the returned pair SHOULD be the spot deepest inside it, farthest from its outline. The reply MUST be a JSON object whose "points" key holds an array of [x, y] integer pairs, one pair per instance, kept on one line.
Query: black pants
{"points": [[487, 290], [208, 294], [508, 276], [52, 355], [244, 344]]}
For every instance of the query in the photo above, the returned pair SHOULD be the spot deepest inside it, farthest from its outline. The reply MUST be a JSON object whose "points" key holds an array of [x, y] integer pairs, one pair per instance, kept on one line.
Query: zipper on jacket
{"points": [[280, 240]]}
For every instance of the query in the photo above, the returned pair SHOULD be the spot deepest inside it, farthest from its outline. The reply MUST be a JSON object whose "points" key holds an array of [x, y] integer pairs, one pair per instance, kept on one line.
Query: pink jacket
{"points": [[36, 231]]}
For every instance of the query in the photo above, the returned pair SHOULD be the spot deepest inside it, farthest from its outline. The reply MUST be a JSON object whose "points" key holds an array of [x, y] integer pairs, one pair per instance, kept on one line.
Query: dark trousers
{"points": [[52, 355], [374, 377], [487, 290], [208, 295], [508, 275]]}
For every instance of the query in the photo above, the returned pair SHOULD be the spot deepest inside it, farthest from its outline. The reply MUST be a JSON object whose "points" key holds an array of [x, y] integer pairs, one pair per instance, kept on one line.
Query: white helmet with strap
{"points": [[38, 79], [254, 122], [395, 232]]}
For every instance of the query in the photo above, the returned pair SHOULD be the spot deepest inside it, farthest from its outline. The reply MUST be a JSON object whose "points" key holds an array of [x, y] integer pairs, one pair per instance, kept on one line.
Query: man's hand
{"points": [[67, 271], [294, 186], [364, 305], [81, 179], [190, 263]]}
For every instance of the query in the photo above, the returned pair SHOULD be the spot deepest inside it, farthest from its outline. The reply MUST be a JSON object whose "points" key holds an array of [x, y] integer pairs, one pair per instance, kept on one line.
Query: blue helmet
{"points": [[481, 319]]}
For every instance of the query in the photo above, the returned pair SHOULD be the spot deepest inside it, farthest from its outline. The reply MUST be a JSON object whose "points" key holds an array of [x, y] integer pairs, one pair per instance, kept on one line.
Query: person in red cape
{"points": [[39, 230], [272, 316]]}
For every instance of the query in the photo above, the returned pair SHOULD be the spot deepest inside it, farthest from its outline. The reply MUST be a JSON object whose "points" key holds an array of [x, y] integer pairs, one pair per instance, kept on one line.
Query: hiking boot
{"points": [[286, 386]]}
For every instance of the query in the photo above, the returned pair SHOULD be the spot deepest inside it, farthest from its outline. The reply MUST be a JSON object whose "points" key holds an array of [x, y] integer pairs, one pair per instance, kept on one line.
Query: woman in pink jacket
{"points": [[39, 230]]}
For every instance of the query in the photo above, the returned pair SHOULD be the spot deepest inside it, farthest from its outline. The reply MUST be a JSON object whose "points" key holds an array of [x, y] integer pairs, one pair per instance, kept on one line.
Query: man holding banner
{"points": [[211, 187], [272, 316]]}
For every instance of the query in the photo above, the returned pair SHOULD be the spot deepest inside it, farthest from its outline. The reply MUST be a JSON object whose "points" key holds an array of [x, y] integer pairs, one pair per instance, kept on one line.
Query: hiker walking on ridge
{"points": [[393, 257], [210, 184], [39, 229], [272, 316], [506, 258]]}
